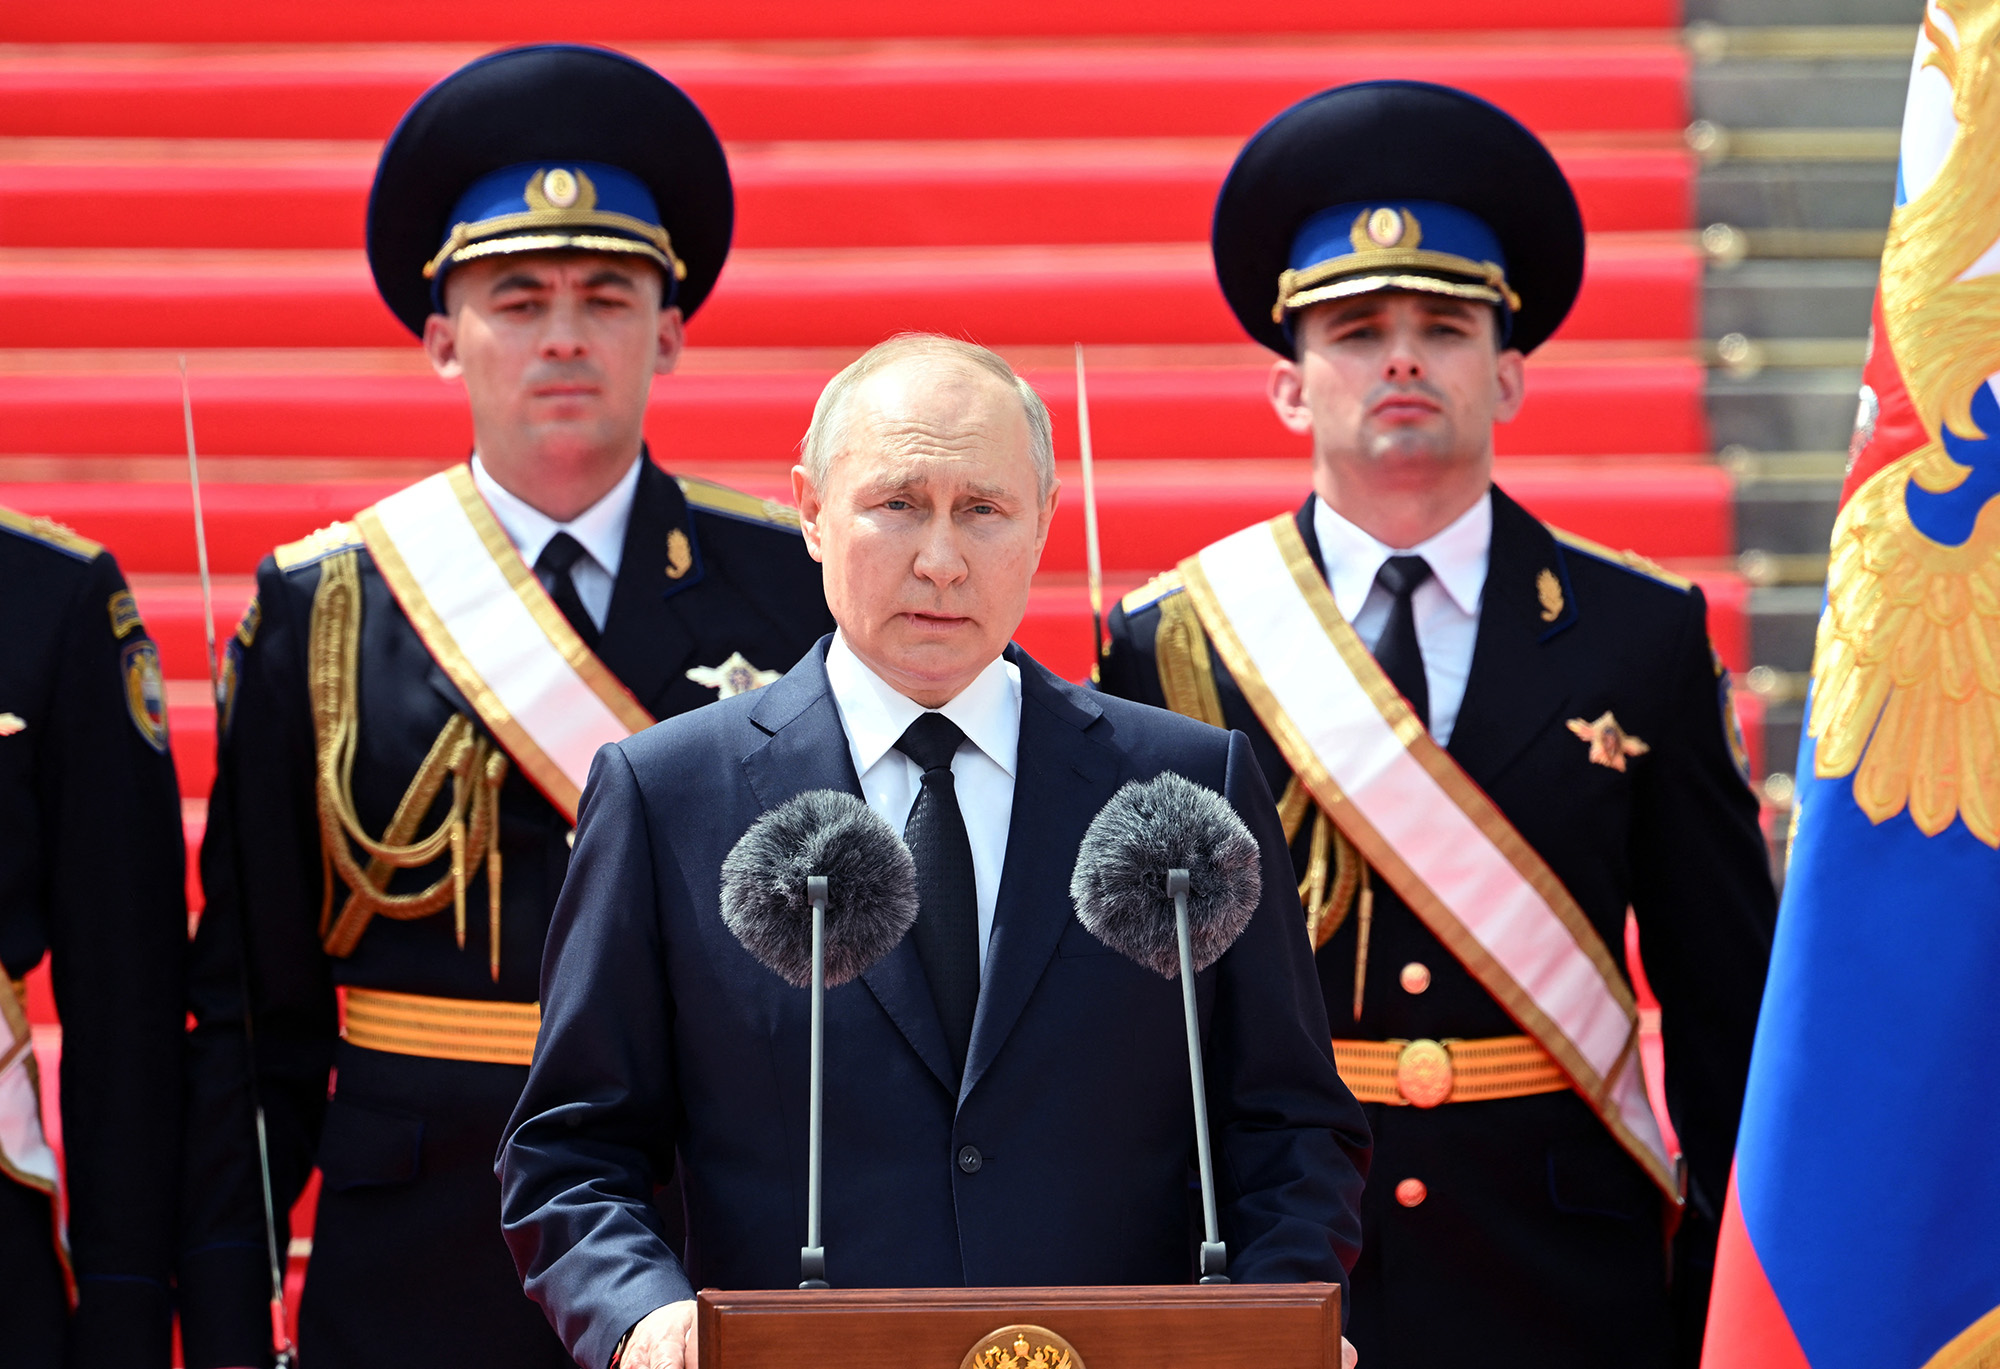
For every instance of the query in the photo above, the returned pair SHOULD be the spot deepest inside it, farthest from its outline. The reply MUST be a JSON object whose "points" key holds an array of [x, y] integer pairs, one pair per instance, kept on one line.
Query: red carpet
{"points": [[510, 21]]}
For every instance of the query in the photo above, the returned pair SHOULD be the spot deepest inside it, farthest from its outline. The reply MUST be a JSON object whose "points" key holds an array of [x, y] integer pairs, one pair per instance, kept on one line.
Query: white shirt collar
{"points": [[1457, 556], [600, 528], [876, 714]]}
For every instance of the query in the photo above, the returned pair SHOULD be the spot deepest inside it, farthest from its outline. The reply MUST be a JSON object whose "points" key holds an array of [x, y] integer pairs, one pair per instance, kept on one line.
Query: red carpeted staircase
{"points": [[190, 178]]}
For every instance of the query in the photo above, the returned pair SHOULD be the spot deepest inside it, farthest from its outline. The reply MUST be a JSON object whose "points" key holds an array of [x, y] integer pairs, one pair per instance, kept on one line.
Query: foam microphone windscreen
{"points": [[871, 886], [1120, 884]]}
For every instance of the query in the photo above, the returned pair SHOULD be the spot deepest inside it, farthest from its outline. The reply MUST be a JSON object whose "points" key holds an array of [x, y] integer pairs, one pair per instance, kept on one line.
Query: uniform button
{"points": [[969, 1159], [1411, 1192], [1415, 978]]}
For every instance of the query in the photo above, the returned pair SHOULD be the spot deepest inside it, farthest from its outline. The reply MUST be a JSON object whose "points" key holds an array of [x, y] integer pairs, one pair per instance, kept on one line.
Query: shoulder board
{"points": [[316, 546], [50, 534], [1150, 593], [710, 497], [1624, 560]]}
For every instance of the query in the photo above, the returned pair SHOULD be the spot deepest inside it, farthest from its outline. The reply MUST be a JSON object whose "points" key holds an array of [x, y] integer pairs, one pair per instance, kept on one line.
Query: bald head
{"points": [[926, 383], [925, 489]]}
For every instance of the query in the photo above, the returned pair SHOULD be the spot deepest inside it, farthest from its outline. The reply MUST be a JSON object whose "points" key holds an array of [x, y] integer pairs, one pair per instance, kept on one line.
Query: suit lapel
{"points": [[1514, 687], [806, 749], [646, 640], [1063, 777]]}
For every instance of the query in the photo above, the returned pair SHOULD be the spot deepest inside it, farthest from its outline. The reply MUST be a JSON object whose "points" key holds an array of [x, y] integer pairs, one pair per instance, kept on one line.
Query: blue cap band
{"points": [[553, 207], [1422, 245]]}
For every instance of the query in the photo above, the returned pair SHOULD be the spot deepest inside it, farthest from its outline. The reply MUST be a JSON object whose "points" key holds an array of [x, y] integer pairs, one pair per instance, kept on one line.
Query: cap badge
{"points": [[560, 189], [1381, 229], [734, 676], [1550, 591], [1610, 744]]}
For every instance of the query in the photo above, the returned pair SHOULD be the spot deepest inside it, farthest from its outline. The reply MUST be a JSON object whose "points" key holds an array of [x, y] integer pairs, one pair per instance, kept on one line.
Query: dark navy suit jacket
{"points": [[663, 1039]]}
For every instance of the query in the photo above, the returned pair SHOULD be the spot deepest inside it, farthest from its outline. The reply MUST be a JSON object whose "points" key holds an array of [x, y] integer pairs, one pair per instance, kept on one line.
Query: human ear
{"points": [[441, 346], [1510, 377], [673, 337], [806, 496], [1286, 389]]}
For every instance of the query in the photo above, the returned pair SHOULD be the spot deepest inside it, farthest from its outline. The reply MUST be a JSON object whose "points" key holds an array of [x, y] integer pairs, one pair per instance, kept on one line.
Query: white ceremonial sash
{"points": [[1421, 822], [498, 635], [25, 1156]]}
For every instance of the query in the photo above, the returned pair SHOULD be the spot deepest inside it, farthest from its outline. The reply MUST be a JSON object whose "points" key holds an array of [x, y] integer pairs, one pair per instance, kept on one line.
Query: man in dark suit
{"points": [[414, 698], [1006, 1097], [91, 875], [1490, 739]]}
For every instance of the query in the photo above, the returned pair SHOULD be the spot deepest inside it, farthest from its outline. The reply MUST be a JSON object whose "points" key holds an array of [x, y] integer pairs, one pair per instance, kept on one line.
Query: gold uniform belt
{"points": [[494, 1033], [1426, 1073]]}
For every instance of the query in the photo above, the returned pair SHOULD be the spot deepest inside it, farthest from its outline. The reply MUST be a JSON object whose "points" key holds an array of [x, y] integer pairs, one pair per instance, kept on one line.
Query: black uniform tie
{"points": [[1397, 651], [947, 930], [553, 570]]}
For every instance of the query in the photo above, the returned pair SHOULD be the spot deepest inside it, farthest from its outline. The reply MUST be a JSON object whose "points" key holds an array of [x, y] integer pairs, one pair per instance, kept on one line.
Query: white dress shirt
{"points": [[600, 529], [1446, 606], [875, 716]]}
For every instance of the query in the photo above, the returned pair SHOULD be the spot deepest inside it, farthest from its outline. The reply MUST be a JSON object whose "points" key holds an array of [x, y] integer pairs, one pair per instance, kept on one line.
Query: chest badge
{"points": [[1610, 744], [10, 723], [734, 676]]}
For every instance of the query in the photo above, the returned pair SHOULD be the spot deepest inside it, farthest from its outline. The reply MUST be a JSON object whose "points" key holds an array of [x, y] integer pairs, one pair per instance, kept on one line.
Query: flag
{"points": [[1863, 1219]]}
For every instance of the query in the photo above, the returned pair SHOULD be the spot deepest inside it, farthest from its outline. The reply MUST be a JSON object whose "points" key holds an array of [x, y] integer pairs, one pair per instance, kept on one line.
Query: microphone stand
{"points": [[812, 1256], [1214, 1252]]}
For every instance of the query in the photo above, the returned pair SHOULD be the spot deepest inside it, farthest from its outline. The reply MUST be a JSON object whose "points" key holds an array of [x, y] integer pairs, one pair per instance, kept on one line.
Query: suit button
{"points": [[969, 1159], [1411, 1192], [1416, 977]]}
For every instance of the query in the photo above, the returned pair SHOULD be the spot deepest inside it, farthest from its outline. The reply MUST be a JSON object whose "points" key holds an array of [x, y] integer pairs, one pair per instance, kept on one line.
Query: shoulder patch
{"points": [[252, 619], [710, 497], [146, 692], [124, 610], [1150, 593], [1624, 560], [316, 546], [49, 533]]}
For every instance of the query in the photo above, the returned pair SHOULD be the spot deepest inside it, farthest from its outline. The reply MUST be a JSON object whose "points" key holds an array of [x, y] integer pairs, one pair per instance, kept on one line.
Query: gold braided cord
{"points": [[1906, 669], [470, 761], [1187, 676]]}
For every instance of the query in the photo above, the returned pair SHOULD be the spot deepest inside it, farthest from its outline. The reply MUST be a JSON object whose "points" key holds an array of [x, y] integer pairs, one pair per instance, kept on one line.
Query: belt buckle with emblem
{"points": [[1424, 1073]]}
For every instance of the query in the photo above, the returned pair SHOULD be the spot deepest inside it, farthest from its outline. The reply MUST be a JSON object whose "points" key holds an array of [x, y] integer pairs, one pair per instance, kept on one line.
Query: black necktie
{"points": [[1397, 651], [947, 930], [563, 552]]}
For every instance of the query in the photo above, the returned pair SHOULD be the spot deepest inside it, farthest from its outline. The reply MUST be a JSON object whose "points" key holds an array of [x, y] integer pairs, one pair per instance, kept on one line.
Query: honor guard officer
{"points": [[1490, 739], [92, 873], [414, 698]]}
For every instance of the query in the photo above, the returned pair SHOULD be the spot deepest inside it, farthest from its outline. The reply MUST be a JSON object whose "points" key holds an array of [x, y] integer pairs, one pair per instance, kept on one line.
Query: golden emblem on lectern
{"points": [[1022, 1347]]}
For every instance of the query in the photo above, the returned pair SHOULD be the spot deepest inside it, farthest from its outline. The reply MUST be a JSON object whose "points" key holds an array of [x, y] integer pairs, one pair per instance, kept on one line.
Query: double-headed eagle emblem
{"points": [[1906, 672]]}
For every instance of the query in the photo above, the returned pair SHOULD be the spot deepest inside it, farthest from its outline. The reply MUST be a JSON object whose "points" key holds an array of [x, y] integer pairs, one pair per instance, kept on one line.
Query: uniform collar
{"points": [[1458, 556], [876, 715], [599, 528]]}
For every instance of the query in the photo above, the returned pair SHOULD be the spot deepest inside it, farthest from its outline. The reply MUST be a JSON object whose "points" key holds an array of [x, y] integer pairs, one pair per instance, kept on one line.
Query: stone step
{"points": [[1813, 93], [1797, 193], [1789, 410], [1814, 12], [1789, 299]]}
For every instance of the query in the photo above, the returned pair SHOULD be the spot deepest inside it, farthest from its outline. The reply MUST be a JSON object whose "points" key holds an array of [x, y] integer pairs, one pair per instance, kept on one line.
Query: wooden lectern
{"points": [[1234, 1326]]}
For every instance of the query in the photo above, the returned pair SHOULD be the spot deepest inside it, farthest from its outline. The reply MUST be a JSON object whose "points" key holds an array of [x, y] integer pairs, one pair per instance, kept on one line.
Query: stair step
{"points": [[514, 21], [1789, 299], [1162, 403], [1636, 286], [1139, 88], [1819, 92], [145, 192], [1820, 195], [1785, 411]]}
